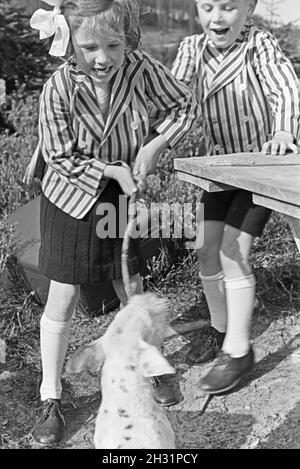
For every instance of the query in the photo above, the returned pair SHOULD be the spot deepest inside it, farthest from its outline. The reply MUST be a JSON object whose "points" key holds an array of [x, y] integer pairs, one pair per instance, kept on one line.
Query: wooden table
{"points": [[274, 181]]}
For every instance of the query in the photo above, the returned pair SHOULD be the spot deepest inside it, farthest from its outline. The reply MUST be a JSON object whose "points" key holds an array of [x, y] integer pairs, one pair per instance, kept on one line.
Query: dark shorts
{"points": [[235, 208], [72, 252]]}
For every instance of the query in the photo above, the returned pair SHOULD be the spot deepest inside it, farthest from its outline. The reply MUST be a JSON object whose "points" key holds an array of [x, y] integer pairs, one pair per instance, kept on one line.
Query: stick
{"points": [[125, 244], [206, 401], [184, 328]]}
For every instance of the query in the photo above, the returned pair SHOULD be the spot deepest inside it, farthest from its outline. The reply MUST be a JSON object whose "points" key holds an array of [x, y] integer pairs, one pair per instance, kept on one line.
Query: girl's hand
{"points": [[281, 143], [144, 165], [146, 161], [123, 175]]}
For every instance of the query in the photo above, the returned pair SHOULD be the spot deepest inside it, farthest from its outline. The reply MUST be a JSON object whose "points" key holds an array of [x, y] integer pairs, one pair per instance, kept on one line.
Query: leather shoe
{"points": [[227, 372], [163, 393], [50, 423], [205, 350]]}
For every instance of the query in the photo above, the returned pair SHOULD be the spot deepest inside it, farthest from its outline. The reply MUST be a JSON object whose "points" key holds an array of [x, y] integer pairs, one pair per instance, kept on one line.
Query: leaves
{"points": [[23, 57]]}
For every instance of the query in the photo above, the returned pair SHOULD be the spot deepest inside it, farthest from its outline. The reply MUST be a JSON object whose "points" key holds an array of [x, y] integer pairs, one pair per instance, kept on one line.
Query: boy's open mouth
{"points": [[220, 31]]}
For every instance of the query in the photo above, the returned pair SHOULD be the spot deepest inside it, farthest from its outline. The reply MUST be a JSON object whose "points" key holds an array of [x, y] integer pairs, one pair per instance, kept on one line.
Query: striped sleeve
{"points": [[172, 99], [58, 143], [184, 65], [279, 82]]}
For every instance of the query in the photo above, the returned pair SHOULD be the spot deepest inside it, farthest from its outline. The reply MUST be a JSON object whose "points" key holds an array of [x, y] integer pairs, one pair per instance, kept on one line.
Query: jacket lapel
{"points": [[88, 112], [123, 89], [84, 101], [231, 65], [85, 105]]}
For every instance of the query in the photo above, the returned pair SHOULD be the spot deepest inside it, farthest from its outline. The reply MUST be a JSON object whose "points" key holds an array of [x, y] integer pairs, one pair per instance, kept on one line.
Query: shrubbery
{"points": [[24, 65], [23, 57]]}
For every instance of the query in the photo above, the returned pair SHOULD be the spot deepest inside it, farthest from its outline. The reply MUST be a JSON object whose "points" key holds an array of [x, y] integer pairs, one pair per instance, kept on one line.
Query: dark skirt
{"points": [[72, 250]]}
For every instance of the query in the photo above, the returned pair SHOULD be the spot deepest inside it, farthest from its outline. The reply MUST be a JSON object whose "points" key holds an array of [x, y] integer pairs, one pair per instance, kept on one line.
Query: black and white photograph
{"points": [[149, 227]]}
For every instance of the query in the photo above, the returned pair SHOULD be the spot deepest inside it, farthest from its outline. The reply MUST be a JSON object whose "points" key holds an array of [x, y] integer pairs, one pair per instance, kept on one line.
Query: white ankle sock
{"points": [[240, 296], [213, 286], [54, 343]]}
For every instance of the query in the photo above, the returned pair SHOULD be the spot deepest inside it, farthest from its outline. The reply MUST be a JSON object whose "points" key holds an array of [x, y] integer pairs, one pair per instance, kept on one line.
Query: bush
{"points": [[6, 234], [16, 151], [23, 58], [22, 112]]}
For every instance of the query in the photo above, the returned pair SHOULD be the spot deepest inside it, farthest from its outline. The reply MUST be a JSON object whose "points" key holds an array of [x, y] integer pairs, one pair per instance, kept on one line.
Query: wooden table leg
{"points": [[295, 228]]}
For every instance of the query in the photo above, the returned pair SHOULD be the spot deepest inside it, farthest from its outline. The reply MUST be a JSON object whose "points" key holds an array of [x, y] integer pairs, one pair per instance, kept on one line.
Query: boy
{"points": [[249, 95]]}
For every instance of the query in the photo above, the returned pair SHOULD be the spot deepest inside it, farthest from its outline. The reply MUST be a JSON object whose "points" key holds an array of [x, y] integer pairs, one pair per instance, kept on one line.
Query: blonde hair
{"points": [[116, 15]]}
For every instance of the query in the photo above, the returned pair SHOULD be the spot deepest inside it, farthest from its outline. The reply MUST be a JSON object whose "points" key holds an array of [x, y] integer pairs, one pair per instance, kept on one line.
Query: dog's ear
{"points": [[90, 357], [151, 361]]}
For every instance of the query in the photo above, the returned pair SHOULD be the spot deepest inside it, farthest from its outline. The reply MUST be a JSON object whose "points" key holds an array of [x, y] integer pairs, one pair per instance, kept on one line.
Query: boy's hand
{"points": [[123, 175], [281, 143]]}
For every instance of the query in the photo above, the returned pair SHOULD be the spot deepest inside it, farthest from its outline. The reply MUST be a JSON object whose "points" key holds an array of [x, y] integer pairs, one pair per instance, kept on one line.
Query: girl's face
{"points": [[99, 53], [223, 20]]}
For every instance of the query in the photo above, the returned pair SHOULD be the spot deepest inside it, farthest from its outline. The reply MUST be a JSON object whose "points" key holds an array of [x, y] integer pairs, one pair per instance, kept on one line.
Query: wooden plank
{"points": [[205, 184], [291, 212], [295, 228], [184, 328], [248, 159], [277, 182], [277, 205]]}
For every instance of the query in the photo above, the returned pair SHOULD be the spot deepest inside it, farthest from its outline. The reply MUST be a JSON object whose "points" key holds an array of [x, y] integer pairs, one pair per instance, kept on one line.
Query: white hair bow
{"points": [[51, 23]]}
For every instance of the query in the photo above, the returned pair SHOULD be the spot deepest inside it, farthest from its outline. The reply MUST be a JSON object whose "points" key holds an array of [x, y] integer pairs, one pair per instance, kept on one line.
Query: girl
{"points": [[93, 123]]}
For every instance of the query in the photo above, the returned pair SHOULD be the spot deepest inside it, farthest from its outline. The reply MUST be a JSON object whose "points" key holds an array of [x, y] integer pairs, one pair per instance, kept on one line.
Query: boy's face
{"points": [[223, 20], [98, 53]]}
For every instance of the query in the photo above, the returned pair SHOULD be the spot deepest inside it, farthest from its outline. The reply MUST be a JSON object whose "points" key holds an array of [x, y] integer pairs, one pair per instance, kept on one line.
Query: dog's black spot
{"points": [[105, 411], [123, 413], [131, 368], [119, 330], [123, 388], [128, 427], [127, 438]]}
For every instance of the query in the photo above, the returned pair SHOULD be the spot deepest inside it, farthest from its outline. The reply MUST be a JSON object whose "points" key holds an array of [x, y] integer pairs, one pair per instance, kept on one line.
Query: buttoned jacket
{"points": [[75, 143]]}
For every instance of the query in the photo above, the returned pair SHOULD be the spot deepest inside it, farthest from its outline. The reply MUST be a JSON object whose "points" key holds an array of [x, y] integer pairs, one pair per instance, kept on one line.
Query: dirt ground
{"points": [[262, 413]]}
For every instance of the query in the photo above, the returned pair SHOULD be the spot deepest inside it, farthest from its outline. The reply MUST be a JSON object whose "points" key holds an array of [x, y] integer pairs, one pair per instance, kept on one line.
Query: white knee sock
{"points": [[240, 296], [54, 343], [213, 286]]}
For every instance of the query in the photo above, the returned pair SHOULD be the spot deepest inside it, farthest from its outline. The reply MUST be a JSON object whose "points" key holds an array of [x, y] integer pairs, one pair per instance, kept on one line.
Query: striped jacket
{"points": [[76, 144], [246, 94]]}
